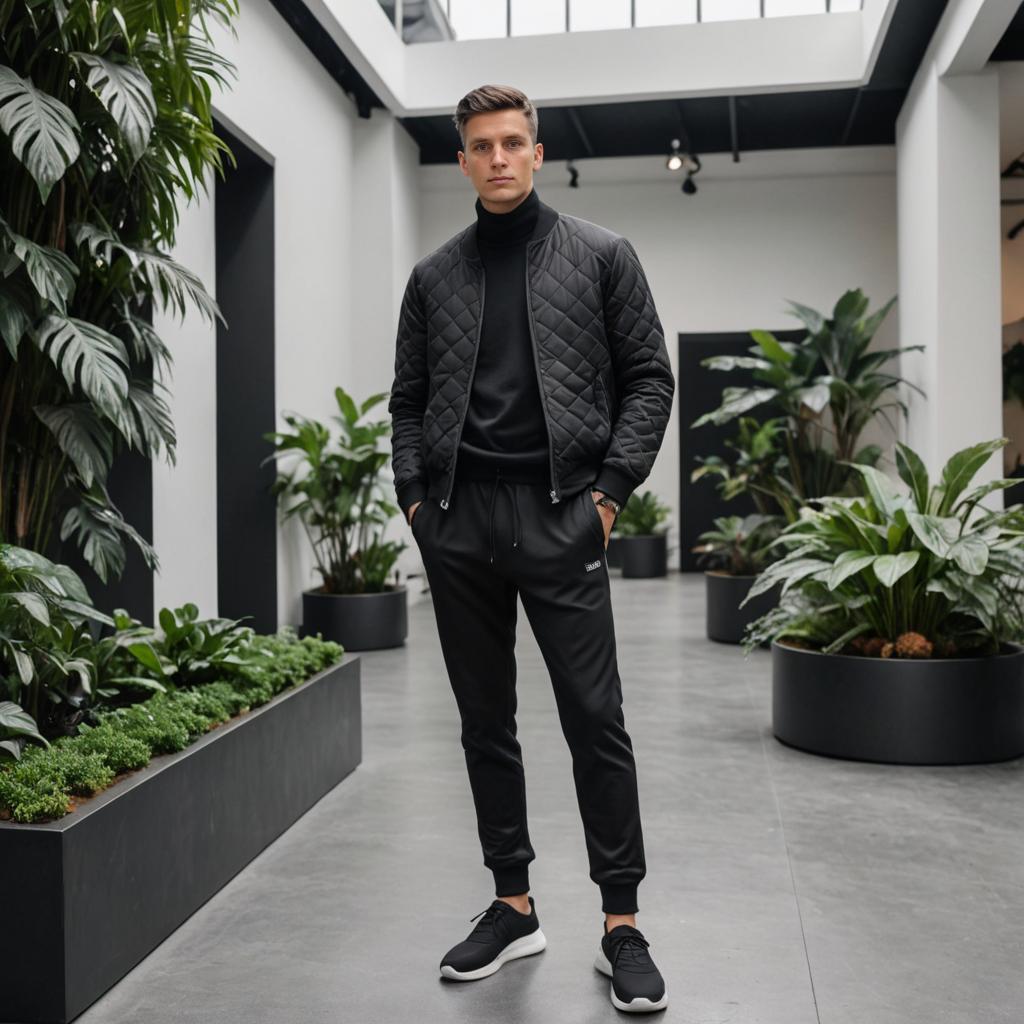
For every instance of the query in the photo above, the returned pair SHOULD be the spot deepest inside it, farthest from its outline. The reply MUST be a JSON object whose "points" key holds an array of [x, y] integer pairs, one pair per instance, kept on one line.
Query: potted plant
{"points": [[335, 489], [897, 636], [737, 549], [827, 388], [643, 547]]}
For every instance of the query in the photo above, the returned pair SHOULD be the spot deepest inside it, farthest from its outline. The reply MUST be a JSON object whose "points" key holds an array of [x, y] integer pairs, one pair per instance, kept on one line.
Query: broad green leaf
{"points": [[879, 488], [15, 719], [126, 93], [889, 568], [771, 347], [33, 604], [815, 397], [89, 357], [961, 468], [43, 131], [81, 437], [735, 401], [936, 533], [51, 272], [913, 473], [848, 564], [970, 552]]}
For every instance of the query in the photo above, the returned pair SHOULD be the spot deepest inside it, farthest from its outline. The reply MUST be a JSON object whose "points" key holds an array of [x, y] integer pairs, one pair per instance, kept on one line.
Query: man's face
{"points": [[500, 159]]}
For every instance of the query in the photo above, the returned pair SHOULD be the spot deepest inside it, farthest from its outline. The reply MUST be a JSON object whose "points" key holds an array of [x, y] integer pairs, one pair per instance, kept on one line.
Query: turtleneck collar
{"points": [[507, 228]]}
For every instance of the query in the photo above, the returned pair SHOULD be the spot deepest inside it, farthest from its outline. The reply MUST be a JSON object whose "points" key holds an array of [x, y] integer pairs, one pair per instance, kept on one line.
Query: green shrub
{"points": [[38, 787]]}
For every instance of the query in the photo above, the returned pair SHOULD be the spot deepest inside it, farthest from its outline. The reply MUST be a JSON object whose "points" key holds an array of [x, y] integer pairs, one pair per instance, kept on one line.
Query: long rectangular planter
{"points": [[86, 897]]}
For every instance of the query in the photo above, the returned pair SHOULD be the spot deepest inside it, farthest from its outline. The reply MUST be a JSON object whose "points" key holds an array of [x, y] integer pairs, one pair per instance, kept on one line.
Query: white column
{"points": [[947, 144]]}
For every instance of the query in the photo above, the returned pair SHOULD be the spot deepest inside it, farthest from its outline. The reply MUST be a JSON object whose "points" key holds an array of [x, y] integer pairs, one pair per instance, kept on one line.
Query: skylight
{"points": [[490, 19]]}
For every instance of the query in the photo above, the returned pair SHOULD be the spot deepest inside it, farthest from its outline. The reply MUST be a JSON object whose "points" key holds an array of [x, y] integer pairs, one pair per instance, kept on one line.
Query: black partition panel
{"points": [[246, 510], [700, 391]]}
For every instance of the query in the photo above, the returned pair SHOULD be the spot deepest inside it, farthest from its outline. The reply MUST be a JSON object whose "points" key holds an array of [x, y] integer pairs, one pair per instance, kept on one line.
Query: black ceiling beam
{"points": [[580, 131]]}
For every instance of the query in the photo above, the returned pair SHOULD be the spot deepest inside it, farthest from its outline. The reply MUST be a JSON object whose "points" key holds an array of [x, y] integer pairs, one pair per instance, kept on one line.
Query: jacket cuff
{"points": [[409, 493], [615, 484]]}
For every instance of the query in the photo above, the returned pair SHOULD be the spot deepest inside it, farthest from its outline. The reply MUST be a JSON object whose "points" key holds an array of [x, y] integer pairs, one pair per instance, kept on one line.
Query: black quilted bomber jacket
{"points": [[606, 383]]}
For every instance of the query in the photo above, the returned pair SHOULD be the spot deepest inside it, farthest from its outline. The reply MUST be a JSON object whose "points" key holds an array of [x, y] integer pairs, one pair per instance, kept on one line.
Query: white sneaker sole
{"points": [[638, 1005], [525, 946]]}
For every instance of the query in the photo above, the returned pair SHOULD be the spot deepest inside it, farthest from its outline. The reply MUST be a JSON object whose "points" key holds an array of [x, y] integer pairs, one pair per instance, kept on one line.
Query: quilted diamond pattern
{"points": [[607, 382]]}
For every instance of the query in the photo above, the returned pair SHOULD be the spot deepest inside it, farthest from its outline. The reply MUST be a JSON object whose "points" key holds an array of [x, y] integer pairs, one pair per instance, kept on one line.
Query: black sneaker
{"points": [[501, 934], [637, 985]]}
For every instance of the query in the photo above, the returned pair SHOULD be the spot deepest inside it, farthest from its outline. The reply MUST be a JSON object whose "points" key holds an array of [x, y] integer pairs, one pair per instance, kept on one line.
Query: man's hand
{"points": [[607, 516], [412, 510]]}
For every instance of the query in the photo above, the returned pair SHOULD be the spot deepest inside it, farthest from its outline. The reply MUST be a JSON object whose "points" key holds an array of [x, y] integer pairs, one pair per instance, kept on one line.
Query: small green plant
{"points": [[757, 469], [45, 643], [740, 545], [929, 572], [335, 489], [642, 515], [40, 785]]}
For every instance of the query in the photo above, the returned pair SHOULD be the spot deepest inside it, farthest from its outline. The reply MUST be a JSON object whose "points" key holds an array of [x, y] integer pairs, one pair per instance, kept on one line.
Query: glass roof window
{"points": [[492, 19]]}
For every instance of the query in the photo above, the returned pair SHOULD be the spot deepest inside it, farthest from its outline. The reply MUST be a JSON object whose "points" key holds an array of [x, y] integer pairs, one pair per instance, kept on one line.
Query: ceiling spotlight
{"points": [[573, 175], [688, 186], [675, 158]]}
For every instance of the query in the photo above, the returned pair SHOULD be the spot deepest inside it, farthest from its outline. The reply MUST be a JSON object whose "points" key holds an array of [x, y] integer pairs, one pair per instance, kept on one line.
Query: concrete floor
{"points": [[781, 887]]}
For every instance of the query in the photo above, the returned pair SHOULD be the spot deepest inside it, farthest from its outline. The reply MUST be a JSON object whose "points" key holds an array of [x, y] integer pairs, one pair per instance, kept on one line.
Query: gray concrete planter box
{"points": [[86, 897], [928, 711]]}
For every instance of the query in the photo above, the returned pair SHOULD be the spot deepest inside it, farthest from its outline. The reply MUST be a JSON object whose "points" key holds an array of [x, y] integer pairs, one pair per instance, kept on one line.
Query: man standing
{"points": [[530, 364]]}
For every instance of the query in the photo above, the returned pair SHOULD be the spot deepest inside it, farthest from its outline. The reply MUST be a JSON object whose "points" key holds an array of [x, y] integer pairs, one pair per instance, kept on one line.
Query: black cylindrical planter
{"points": [[726, 620], [900, 710], [644, 556], [359, 622]]}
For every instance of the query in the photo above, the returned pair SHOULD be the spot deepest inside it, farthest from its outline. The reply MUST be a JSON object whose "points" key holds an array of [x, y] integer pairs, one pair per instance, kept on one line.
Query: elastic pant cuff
{"points": [[511, 881], [618, 899]]}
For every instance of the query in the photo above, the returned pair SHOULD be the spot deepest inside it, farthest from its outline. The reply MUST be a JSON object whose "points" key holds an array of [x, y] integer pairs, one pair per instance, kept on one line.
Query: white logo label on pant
{"points": [[591, 566]]}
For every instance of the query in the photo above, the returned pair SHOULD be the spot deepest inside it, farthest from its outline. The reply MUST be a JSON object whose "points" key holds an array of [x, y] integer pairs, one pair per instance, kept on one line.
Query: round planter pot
{"points": [[900, 711], [644, 556], [726, 620], [359, 622]]}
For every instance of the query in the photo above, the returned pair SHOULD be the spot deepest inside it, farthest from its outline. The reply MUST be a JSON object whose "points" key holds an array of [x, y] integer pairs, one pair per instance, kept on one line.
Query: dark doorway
{"points": [[246, 510], [700, 391]]}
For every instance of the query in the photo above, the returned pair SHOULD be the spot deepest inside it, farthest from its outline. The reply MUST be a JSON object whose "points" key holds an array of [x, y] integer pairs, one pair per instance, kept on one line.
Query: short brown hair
{"points": [[494, 97]]}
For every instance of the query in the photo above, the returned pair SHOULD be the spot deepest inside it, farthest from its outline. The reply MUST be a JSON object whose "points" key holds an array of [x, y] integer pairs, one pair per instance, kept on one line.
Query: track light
{"points": [[573, 175], [678, 160]]}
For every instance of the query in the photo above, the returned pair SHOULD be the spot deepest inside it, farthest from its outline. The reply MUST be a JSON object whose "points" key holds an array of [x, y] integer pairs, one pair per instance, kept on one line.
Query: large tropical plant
{"points": [[828, 386], [105, 126], [928, 571]]}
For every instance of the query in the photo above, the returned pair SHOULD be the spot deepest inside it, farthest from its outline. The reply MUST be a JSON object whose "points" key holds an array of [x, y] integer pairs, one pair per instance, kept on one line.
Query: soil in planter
{"points": [[906, 647]]}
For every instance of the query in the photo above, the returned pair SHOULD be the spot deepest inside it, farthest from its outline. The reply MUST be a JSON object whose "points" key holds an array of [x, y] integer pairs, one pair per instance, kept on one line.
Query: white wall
{"points": [[801, 225], [300, 117]]}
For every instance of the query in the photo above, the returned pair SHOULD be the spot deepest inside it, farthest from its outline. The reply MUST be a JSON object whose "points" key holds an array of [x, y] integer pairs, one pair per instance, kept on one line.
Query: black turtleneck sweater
{"points": [[505, 427]]}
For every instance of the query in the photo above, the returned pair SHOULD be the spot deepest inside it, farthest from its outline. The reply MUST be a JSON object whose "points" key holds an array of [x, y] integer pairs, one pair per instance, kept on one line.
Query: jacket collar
{"points": [[547, 217]]}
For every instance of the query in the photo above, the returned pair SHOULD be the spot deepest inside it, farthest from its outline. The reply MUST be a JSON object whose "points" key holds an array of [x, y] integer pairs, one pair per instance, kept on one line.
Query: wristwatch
{"points": [[609, 502]]}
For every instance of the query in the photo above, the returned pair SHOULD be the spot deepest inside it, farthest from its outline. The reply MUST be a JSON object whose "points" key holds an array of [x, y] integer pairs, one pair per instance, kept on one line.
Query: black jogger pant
{"points": [[498, 539]]}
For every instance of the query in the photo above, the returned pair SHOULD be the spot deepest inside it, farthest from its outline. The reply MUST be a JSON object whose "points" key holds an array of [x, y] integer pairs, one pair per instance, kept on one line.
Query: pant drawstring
{"points": [[516, 521]]}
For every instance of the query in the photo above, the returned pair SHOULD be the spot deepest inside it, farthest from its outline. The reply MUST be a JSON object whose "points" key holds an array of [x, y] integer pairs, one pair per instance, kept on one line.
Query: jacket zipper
{"points": [[540, 383], [469, 391]]}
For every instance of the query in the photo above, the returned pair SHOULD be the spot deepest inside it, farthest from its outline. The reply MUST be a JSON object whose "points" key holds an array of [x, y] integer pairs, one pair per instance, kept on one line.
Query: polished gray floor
{"points": [[781, 887]]}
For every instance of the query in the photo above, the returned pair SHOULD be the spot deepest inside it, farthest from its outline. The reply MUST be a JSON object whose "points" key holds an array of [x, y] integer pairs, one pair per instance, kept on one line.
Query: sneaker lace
{"points": [[631, 949], [489, 918]]}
